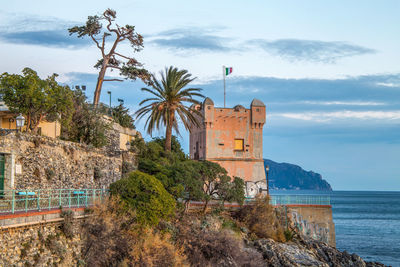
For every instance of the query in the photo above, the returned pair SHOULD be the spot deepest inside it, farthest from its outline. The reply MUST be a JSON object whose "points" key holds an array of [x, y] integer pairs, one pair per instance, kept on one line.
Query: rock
{"points": [[307, 252]]}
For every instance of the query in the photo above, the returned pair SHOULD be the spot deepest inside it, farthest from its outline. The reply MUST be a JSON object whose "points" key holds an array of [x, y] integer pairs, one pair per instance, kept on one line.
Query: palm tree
{"points": [[169, 96]]}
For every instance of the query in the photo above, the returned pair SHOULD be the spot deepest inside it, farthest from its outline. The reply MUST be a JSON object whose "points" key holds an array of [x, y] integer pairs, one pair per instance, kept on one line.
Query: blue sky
{"points": [[328, 71]]}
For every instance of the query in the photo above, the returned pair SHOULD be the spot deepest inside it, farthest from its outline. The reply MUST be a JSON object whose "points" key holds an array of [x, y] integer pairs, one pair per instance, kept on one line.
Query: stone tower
{"points": [[231, 137]]}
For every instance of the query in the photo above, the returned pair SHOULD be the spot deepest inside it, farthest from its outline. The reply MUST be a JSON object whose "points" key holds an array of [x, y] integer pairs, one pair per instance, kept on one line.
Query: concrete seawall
{"points": [[314, 221]]}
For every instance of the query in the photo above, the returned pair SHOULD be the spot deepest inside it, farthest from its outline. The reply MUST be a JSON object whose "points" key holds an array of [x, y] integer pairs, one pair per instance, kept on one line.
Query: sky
{"points": [[328, 71]]}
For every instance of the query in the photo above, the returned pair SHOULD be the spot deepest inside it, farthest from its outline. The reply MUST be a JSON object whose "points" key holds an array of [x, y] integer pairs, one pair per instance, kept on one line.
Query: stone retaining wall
{"points": [[34, 162], [40, 245]]}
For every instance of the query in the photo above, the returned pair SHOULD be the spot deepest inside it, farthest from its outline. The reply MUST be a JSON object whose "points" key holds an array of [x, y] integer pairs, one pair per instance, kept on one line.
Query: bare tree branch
{"points": [[114, 67], [113, 80], [97, 43], [129, 58]]}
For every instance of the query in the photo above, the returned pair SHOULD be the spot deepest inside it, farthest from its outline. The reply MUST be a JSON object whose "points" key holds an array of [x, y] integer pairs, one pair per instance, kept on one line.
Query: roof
{"points": [[257, 103], [208, 101], [238, 107]]}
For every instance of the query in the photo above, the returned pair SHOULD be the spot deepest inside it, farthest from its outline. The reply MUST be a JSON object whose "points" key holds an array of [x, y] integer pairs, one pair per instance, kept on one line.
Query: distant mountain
{"points": [[293, 177]]}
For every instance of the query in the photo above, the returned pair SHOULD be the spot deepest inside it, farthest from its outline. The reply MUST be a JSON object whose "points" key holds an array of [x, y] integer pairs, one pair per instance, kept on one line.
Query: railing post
{"points": [[50, 191], [94, 196], [86, 197], [79, 196], [59, 198], [26, 200], [69, 199], [13, 201], [38, 200]]}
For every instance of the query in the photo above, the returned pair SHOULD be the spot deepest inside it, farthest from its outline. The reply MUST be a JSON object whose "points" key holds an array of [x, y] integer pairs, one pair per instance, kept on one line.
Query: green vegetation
{"points": [[111, 59], [167, 101], [261, 220], [87, 124], [121, 116], [146, 195], [37, 99], [184, 178]]}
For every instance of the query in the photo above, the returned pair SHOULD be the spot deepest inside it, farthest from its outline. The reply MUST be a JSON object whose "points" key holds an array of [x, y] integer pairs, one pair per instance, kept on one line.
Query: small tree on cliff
{"points": [[169, 96], [111, 59], [37, 99]]}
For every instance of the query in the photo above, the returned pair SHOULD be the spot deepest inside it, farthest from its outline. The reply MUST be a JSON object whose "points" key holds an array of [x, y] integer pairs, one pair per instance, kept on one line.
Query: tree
{"points": [[111, 59], [168, 100], [87, 124], [146, 195], [36, 98], [121, 116], [213, 177], [233, 191]]}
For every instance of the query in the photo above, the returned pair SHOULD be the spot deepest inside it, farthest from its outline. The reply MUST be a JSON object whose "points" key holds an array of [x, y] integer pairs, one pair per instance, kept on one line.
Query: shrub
{"points": [[97, 173], [204, 247], [127, 167], [112, 237], [50, 173], [146, 195], [67, 226], [261, 220], [156, 250]]}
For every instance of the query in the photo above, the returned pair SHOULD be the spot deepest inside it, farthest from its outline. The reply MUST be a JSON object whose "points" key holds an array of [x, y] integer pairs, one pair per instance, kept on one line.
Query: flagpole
{"points": [[224, 74]]}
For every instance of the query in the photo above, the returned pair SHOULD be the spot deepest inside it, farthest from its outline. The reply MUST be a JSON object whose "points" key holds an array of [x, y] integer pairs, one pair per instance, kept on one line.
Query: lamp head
{"points": [[20, 120]]}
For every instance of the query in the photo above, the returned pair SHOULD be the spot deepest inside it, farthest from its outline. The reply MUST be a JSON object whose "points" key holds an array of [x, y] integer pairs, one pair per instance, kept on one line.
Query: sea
{"points": [[367, 223]]}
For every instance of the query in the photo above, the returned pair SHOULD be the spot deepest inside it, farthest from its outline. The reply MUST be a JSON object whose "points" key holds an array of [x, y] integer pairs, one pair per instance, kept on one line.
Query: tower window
{"points": [[239, 144]]}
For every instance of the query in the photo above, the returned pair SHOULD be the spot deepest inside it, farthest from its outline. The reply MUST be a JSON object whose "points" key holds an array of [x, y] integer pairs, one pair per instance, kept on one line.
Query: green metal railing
{"points": [[282, 200], [12, 201], [277, 200]]}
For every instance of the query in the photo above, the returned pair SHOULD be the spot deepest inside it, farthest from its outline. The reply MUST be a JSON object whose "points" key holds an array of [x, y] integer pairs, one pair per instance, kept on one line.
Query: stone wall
{"points": [[40, 245], [34, 162], [315, 222]]}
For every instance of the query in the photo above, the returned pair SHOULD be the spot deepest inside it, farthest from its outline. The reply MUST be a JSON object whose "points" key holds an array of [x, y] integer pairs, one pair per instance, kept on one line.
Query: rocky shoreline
{"points": [[306, 252]]}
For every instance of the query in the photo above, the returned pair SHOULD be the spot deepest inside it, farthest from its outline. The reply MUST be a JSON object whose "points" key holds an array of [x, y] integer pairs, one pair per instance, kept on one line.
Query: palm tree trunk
{"points": [[168, 133], [168, 137]]}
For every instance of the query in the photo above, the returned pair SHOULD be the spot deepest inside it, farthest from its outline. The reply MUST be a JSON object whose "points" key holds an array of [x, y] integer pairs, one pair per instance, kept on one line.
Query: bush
{"points": [[205, 247], [67, 226], [112, 237], [146, 195], [261, 220]]}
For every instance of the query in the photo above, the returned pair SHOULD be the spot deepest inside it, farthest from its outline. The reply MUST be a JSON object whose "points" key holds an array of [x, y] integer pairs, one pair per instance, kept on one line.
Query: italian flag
{"points": [[228, 71]]}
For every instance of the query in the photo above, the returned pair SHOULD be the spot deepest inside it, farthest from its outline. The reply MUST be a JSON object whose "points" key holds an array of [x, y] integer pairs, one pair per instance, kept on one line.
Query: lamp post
{"points": [[20, 121], [267, 169], [109, 92]]}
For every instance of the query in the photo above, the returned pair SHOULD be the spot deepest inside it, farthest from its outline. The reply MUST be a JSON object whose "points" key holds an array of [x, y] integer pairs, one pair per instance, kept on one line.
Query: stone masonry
{"points": [[33, 162]]}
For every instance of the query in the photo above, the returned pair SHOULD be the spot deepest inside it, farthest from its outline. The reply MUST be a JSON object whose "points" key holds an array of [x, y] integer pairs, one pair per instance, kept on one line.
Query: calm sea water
{"points": [[367, 223]]}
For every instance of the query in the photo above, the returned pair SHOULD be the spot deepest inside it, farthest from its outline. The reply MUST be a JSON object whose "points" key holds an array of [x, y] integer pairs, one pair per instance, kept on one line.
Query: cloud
{"points": [[310, 50], [49, 38], [36, 30], [200, 39], [340, 115], [344, 103]]}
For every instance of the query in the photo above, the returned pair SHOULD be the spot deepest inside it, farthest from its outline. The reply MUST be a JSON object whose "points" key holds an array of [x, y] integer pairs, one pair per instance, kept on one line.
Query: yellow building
{"points": [[7, 121]]}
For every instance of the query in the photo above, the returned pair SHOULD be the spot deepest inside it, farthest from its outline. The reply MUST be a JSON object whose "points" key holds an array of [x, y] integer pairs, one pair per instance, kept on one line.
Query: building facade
{"points": [[231, 137]]}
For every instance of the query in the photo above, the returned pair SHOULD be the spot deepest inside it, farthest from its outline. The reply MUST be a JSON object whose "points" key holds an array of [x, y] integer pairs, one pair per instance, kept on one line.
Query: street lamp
{"points": [[20, 121], [267, 169], [109, 92]]}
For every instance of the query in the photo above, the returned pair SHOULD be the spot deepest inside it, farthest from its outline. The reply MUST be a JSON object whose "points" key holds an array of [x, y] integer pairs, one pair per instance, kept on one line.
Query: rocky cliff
{"points": [[308, 252], [292, 177]]}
